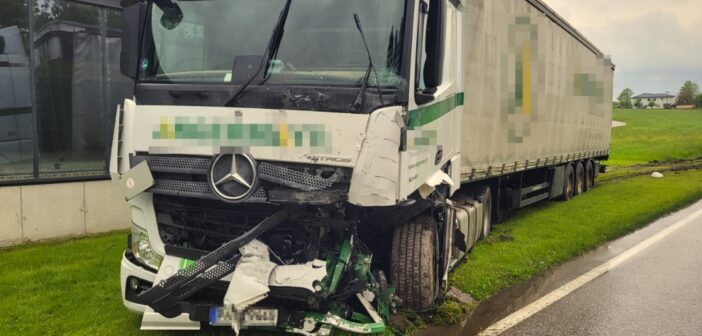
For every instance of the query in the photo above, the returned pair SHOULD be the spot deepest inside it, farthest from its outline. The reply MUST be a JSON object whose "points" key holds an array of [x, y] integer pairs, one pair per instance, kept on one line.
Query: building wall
{"points": [[660, 102], [48, 211], [59, 89]]}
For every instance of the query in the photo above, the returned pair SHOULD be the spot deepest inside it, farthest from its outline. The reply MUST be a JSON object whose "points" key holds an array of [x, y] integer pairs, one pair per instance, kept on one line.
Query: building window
{"points": [[16, 125], [66, 89]]}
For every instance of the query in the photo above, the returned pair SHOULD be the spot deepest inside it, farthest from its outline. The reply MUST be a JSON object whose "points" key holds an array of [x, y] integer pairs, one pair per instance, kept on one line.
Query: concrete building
{"points": [[59, 88], [659, 100]]}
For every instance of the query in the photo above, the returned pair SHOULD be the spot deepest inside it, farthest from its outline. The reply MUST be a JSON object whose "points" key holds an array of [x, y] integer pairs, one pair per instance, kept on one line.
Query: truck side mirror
{"points": [[133, 17]]}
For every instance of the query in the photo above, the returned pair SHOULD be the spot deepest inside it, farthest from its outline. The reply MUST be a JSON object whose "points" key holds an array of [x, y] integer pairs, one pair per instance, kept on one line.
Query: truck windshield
{"points": [[321, 44]]}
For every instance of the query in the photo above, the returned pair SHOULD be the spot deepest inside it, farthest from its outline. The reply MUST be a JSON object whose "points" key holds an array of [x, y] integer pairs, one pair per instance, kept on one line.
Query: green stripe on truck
{"points": [[428, 114]]}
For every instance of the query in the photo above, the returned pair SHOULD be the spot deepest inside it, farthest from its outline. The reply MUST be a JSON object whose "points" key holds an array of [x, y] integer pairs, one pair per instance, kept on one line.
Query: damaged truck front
{"points": [[305, 165], [261, 143]]}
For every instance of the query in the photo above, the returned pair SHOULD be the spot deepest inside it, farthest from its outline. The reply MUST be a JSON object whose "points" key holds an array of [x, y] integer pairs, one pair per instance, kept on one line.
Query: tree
{"points": [[638, 104], [625, 98], [688, 92], [698, 101], [651, 104]]}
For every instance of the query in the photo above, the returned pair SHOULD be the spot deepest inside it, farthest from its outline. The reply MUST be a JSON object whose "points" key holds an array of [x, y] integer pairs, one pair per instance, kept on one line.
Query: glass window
{"points": [[69, 89], [320, 45], [67, 112], [16, 132]]}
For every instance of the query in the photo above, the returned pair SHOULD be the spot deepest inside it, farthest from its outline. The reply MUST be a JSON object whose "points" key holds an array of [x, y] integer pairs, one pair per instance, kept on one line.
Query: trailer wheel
{"points": [[568, 183], [589, 176], [413, 263], [579, 179], [486, 199]]}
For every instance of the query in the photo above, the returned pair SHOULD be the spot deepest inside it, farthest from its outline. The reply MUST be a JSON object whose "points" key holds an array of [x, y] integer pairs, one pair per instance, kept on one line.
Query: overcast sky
{"points": [[656, 44]]}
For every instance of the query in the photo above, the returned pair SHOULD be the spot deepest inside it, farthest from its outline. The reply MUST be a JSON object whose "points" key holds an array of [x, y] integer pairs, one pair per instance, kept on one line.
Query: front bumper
{"points": [[129, 269], [193, 313]]}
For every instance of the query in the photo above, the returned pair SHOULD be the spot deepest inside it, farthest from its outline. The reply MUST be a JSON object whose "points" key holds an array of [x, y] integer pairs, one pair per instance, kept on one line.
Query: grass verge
{"points": [[656, 135], [540, 237], [67, 288]]}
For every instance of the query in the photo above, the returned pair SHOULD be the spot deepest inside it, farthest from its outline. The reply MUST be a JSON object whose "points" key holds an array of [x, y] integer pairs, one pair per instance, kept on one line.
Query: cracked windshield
{"points": [[320, 45]]}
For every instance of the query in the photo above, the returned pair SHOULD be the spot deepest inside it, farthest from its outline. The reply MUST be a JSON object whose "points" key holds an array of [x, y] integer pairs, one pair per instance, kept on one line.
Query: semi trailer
{"points": [[314, 165]]}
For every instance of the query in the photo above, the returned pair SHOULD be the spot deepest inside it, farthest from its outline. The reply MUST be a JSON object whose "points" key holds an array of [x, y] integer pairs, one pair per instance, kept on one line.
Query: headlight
{"points": [[141, 248]]}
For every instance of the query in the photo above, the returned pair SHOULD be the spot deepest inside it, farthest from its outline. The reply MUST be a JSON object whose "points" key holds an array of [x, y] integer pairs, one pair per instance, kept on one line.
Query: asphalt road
{"points": [[656, 292]]}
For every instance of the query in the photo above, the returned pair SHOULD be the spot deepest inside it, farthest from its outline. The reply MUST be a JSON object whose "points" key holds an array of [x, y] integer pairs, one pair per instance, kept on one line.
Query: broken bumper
{"points": [[232, 294]]}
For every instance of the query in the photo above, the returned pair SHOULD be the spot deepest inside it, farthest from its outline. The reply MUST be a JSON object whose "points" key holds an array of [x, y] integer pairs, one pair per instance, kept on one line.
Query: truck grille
{"points": [[186, 176], [205, 224]]}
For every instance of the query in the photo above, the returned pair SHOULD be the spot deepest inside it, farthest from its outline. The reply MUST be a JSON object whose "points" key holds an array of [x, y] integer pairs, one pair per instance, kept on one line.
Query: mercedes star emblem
{"points": [[233, 177]]}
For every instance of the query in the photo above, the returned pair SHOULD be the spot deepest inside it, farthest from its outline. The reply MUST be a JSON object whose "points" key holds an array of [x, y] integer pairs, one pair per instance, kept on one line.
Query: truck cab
{"points": [[275, 134]]}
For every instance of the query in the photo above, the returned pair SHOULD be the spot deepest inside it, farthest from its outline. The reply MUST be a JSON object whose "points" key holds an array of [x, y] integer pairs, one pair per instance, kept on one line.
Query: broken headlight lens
{"points": [[142, 250]]}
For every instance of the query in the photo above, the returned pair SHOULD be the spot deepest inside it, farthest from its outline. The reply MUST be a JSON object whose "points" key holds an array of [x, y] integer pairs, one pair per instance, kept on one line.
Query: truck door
{"points": [[435, 100]]}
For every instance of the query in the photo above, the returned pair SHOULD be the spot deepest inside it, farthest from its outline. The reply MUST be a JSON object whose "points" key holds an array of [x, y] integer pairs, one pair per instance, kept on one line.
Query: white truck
{"points": [[308, 165]]}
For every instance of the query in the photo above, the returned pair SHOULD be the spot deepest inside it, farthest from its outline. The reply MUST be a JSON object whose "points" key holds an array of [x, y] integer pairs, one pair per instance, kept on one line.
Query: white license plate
{"points": [[253, 317], [256, 317]]}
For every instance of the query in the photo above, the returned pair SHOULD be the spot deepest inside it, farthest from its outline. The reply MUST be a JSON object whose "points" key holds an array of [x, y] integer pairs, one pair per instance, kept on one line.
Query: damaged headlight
{"points": [[142, 250]]}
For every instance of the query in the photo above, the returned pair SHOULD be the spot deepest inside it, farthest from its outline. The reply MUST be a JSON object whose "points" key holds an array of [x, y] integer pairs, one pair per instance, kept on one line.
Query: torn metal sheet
{"points": [[435, 180], [307, 276], [249, 283]]}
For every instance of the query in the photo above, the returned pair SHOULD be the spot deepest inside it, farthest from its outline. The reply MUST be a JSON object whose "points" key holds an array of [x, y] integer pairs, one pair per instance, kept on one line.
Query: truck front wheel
{"points": [[413, 263]]}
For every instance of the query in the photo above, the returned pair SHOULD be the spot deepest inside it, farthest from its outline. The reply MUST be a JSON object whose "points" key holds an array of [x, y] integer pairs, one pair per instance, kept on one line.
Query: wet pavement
{"points": [[656, 292]]}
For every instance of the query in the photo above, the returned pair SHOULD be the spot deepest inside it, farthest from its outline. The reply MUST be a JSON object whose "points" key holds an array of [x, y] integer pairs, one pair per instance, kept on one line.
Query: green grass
{"points": [[656, 135], [540, 237], [64, 288]]}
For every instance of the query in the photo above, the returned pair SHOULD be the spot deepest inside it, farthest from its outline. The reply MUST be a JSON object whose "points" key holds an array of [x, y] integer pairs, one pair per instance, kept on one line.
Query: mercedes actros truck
{"points": [[311, 165]]}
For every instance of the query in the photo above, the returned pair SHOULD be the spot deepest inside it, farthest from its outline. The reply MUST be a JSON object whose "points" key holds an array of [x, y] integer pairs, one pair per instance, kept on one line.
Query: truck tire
{"points": [[568, 183], [589, 175], [486, 199], [579, 179], [413, 263]]}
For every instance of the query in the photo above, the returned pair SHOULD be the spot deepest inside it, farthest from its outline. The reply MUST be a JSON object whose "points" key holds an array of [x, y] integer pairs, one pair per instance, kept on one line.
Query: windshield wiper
{"points": [[360, 99], [271, 51]]}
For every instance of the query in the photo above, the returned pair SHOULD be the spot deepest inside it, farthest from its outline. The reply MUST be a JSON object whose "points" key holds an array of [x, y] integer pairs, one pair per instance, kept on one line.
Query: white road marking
{"points": [[551, 298]]}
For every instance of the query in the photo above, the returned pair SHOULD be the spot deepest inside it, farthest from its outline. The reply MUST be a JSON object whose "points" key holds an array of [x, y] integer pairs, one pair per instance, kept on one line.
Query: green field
{"points": [[73, 287], [551, 233], [656, 135]]}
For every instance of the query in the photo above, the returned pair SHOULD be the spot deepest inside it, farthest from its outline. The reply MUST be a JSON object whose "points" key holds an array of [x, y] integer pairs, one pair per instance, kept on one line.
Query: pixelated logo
{"points": [[589, 86], [242, 136], [521, 74]]}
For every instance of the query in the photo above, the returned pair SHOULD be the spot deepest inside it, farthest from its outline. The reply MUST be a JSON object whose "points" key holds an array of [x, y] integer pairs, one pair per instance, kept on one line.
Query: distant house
{"points": [[660, 100]]}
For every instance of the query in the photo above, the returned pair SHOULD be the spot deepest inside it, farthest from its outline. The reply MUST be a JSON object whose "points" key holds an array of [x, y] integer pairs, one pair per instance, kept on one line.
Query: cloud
{"points": [[656, 44]]}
